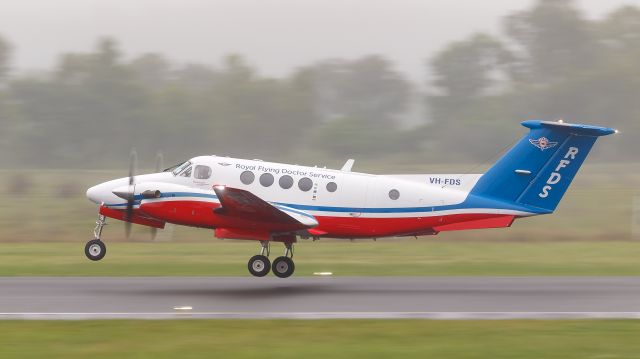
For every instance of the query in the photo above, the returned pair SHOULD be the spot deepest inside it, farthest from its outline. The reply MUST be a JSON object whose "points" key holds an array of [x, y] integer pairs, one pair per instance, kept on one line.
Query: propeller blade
{"points": [[159, 167], [127, 229], [159, 162], [133, 159]]}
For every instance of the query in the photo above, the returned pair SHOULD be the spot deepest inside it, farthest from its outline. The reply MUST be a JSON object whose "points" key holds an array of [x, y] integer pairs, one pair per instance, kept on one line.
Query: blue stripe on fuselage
{"points": [[471, 201]]}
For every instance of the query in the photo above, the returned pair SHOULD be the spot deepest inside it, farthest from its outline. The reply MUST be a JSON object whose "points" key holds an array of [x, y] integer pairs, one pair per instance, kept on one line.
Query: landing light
{"points": [[323, 273], [183, 308], [219, 187], [616, 131]]}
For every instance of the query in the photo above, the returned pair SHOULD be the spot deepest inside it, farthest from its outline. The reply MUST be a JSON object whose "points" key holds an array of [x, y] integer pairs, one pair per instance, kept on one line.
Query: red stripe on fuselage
{"points": [[202, 214], [351, 227], [134, 218]]}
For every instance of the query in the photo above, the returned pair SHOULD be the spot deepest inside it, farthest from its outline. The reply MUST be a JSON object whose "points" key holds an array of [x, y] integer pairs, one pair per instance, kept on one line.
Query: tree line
{"points": [[549, 62]]}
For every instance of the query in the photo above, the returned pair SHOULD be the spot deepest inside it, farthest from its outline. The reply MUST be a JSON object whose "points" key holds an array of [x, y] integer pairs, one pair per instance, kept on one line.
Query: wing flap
{"points": [[244, 204]]}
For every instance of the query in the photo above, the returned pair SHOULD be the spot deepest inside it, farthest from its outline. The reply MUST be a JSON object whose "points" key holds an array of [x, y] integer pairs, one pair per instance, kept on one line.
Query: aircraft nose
{"points": [[93, 194], [103, 192]]}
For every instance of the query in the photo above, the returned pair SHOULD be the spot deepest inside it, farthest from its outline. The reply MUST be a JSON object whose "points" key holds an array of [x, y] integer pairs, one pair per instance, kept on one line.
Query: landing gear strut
{"points": [[259, 265], [95, 249], [283, 267]]}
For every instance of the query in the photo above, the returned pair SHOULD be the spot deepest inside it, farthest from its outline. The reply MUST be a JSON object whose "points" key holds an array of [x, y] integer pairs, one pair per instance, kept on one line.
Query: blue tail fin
{"points": [[538, 170]]}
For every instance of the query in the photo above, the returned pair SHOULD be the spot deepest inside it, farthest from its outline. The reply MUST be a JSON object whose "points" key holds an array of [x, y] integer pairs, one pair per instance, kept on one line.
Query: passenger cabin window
{"points": [[186, 173], [202, 172], [266, 179], [305, 184], [285, 182], [394, 194], [332, 186], [247, 177]]}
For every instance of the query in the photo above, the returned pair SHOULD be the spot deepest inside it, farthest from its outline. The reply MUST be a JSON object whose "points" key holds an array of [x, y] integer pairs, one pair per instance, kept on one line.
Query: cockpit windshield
{"points": [[178, 168]]}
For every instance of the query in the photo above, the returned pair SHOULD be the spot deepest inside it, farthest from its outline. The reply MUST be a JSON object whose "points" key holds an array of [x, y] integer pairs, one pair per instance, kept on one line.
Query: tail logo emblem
{"points": [[543, 143]]}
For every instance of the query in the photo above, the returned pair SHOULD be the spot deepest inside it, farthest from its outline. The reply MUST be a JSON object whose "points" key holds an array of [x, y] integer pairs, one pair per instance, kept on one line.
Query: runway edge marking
{"points": [[324, 315]]}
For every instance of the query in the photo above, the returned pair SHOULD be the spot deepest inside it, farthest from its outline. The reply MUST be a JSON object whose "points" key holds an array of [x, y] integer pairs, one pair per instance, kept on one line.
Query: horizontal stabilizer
{"points": [[577, 129]]}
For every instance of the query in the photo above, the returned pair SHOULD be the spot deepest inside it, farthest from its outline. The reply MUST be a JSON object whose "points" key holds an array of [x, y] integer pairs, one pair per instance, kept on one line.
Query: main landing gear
{"points": [[95, 249], [259, 265], [282, 267]]}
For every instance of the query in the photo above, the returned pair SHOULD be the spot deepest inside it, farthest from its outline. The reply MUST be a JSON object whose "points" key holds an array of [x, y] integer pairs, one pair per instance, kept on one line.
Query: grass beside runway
{"points": [[320, 339], [382, 258]]}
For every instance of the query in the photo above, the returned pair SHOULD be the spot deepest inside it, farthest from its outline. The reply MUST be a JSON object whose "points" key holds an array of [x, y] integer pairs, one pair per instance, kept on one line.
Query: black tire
{"points": [[283, 267], [259, 265], [95, 250]]}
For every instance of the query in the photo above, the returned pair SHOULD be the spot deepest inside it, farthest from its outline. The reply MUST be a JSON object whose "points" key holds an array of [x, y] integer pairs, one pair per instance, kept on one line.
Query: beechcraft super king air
{"points": [[273, 202]]}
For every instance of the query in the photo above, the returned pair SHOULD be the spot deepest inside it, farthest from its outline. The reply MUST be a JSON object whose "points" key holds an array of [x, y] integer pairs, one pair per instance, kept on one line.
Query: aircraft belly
{"points": [[366, 227], [201, 214]]}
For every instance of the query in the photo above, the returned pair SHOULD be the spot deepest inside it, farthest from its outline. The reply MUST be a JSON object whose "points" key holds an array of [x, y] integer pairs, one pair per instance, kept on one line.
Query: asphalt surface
{"points": [[319, 297]]}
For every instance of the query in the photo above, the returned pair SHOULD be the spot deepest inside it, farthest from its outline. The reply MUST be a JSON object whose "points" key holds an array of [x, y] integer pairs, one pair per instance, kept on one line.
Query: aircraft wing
{"points": [[243, 204]]}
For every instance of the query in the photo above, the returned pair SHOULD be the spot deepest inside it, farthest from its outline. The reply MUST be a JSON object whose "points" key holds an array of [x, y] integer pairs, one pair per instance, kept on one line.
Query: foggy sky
{"points": [[276, 35]]}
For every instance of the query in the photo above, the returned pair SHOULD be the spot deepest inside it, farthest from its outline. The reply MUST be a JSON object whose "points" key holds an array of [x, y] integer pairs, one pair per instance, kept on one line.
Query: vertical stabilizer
{"points": [[538, 170]]}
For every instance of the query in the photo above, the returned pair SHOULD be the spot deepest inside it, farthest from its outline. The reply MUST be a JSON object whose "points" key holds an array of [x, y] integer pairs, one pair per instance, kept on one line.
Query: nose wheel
{"points": [[95, 249]]}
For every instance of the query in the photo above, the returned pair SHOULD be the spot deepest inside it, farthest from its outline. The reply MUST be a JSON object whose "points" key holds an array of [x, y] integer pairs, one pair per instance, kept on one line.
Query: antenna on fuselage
{"points": [[348, 165]]}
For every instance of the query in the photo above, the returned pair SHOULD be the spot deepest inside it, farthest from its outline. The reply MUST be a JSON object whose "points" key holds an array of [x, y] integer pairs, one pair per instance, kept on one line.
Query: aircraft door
{"points": [[356, 193]]}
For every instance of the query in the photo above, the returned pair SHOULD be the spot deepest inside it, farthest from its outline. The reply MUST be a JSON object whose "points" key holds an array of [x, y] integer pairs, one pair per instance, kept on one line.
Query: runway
{"points": [[319, 297]]}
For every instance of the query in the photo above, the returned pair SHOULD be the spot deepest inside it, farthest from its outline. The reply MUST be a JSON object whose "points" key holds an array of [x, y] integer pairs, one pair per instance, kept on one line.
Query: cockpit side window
{"points": [[170, 169], [186, 173], [202, 172], [179, 168]]}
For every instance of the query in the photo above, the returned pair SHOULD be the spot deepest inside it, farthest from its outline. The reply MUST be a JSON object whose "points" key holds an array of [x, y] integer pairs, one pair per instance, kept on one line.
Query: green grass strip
{"points": [[382, 258], [324, 339]]}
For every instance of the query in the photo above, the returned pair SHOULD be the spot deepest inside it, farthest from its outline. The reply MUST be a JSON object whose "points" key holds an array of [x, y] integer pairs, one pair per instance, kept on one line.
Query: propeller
{"points": [[159, 162], [159, 167], [133, 159], [129, 193]]}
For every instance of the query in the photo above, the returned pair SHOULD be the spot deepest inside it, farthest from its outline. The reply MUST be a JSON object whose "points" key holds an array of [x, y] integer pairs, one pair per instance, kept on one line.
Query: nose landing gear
{"points": [[95, 249]]}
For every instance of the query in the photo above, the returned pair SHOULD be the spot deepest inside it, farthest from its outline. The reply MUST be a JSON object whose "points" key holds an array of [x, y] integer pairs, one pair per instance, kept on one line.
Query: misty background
{"points": [[82, 82], [402, 87]]}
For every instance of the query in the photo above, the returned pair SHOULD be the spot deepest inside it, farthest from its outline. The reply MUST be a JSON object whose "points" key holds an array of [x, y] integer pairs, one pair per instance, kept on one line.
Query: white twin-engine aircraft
{"points": [[273, 202]]}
